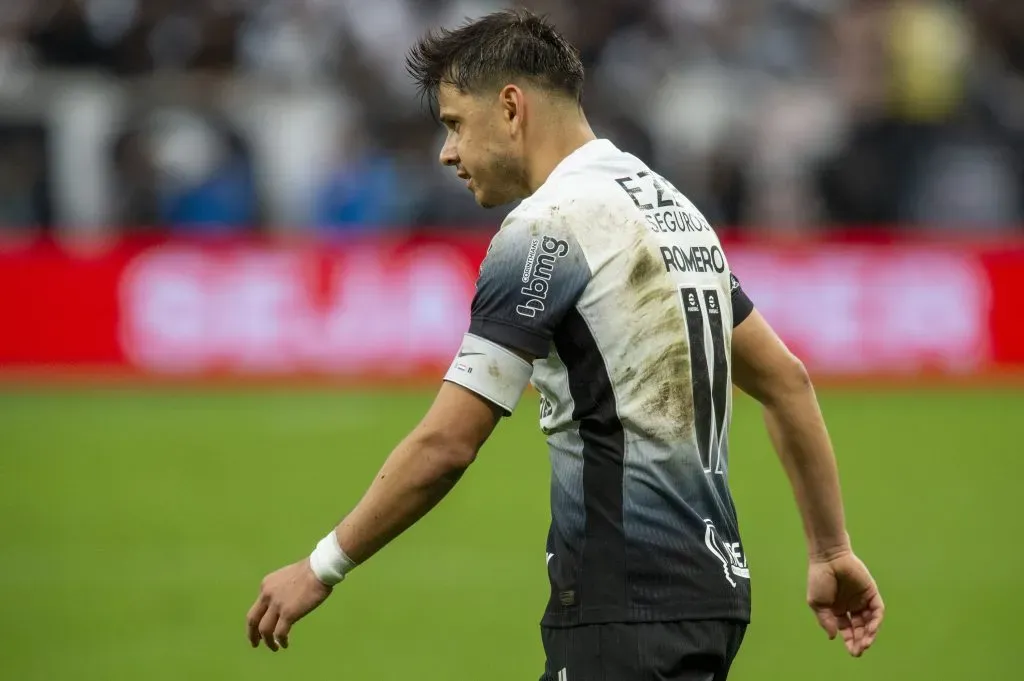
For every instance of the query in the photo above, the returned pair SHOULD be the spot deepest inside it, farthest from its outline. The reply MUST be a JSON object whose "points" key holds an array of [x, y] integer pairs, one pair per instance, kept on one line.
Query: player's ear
{"points": [[511, 100]]}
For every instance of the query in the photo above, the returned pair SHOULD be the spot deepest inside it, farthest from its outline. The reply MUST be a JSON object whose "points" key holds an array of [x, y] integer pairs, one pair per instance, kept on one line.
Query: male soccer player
{"points": [[610, 290]]}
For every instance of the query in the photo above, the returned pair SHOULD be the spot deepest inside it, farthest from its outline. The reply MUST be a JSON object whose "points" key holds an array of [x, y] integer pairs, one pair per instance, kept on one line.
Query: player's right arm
{"points": [[841, 591]]}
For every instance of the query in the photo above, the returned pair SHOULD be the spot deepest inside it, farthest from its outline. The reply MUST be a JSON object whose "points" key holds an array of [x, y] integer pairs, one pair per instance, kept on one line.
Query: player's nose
{"points": [[449, 157]]}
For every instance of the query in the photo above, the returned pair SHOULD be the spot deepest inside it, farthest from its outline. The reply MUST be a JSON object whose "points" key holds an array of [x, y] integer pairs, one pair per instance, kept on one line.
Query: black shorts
{"points": [[699, 650]]}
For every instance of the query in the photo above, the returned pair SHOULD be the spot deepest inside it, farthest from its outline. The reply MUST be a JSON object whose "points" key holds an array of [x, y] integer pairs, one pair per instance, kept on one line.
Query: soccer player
{"points": [[610, 291]]}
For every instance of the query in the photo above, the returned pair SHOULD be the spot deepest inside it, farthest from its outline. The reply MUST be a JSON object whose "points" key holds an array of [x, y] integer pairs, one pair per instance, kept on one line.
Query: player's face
{"points": [[481, 147]]}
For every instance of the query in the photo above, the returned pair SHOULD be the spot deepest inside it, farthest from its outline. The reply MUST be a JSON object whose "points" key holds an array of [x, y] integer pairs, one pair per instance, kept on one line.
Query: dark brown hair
{"points": [[493, 51]]}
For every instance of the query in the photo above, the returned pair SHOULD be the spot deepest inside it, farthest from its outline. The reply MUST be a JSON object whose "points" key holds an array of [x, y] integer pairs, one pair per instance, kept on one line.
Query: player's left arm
{"points": [[532, 275], [840, 589]]}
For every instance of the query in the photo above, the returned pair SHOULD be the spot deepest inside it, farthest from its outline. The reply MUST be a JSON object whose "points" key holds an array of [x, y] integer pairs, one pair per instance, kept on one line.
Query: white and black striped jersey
{"points": [[621, 290]]}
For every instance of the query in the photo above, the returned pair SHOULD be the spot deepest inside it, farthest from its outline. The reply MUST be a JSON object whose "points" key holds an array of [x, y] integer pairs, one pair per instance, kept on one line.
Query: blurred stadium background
{"points": [[232, 272]]}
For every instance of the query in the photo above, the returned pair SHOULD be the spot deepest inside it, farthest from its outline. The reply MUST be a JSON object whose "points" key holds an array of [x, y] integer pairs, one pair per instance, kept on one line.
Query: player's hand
{"points": [[286, 596], [845, 598]]}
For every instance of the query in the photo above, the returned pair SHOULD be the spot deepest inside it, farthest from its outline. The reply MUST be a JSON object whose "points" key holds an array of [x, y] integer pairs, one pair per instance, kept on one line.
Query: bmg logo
{"points": [[536, 289]]}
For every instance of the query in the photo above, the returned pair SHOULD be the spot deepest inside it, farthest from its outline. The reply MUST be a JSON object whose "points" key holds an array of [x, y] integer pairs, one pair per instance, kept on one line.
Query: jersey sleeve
{"points": [[742, 305], [533, 274]]}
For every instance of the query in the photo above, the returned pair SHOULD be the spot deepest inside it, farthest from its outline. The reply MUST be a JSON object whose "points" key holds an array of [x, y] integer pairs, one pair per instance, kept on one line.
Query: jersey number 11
{"points": [[710, 379]]}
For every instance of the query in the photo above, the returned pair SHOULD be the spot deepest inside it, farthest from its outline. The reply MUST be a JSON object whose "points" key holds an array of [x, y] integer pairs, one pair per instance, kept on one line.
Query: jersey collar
{"points": [[585, 155]]}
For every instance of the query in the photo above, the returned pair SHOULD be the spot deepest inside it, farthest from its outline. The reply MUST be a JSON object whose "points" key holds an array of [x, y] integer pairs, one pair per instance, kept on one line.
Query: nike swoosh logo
{"points": [[469, 354], [550, 556]]}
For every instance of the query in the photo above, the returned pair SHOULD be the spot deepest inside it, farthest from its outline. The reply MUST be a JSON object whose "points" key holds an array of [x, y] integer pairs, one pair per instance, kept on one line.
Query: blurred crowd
{"points": [[770, 114]]}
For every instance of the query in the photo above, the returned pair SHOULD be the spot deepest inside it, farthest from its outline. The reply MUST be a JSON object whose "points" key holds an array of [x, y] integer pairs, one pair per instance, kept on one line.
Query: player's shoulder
{"points": [[532, 223], [541, 213], [575, 202]]}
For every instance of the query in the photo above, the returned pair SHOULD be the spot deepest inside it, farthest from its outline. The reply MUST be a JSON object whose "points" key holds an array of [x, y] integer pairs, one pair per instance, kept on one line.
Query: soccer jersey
{"points": [[618, 289]]}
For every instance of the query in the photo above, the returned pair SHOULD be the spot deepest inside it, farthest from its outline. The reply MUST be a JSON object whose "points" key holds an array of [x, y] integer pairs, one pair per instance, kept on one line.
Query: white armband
{"points": [[329, 562], [491, 371]]}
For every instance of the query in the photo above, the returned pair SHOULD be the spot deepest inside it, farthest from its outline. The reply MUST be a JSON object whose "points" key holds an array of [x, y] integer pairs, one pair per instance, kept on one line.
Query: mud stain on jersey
{"points": [[656, 299], [664, 382], [658, 377], [651, 290], [661, 388], [644, 268]]}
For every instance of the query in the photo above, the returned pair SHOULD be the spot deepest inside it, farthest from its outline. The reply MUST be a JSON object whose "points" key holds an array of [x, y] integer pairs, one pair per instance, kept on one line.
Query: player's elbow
{"points": [[797, 376], [448, 454], [791, 379]]}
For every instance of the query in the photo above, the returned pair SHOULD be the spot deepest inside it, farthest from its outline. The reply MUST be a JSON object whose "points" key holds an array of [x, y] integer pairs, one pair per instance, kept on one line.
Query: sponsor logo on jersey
{"points": [[664, 208], [729, 554], [675, 221], [541, 268]]}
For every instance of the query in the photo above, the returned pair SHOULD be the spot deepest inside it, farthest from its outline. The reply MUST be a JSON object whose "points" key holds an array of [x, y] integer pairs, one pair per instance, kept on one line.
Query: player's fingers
{"points": [[252, 620], [267, 626], [867, 641], [827, 620], [846, 631], [859, 633], [873, 615], [876, 610], [284, 626]]}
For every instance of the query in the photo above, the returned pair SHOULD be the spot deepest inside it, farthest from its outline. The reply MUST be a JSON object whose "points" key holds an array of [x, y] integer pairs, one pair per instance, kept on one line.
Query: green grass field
{"points": [[136, 525]]}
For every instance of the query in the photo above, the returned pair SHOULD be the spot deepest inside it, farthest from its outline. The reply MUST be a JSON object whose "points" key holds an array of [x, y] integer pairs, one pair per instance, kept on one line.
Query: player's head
{"points": [[499, 84]]}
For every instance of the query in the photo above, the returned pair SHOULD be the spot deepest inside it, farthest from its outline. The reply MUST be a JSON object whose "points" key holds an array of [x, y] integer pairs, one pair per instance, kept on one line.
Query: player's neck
{"points": [[561, 142]]}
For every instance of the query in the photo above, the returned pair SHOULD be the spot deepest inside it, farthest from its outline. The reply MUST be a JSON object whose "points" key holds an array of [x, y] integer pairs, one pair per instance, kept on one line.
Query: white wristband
{"points": [[329, 562]]}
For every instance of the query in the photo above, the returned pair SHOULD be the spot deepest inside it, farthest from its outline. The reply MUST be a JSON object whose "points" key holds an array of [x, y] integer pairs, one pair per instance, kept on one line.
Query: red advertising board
{"points": [[395, 308]]}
